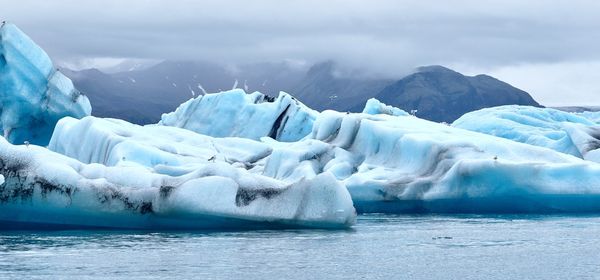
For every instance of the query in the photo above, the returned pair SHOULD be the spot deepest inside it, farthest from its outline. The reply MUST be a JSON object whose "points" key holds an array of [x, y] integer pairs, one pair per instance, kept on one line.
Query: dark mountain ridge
{"points": [[436, 92]]}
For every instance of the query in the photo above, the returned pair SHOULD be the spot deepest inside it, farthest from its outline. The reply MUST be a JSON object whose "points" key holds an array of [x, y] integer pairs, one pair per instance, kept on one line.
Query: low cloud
{"points": [[386, 38]]}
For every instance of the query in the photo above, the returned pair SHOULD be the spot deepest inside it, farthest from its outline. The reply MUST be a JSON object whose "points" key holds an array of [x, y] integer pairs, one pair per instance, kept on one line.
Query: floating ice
{"points": [[374, 107], [593, 116], [45, 187], [568, 133], [235, 113], [33, 95], [398, 164], [405, 164]]}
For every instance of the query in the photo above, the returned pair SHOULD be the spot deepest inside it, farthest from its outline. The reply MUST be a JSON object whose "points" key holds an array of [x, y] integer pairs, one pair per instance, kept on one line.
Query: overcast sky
{"points": [[548, 48]]}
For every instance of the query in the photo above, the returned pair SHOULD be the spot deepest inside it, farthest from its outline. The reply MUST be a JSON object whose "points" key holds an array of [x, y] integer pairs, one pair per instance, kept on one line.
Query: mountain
{"points": [[320, 89], [436, 92], [443, 95]]}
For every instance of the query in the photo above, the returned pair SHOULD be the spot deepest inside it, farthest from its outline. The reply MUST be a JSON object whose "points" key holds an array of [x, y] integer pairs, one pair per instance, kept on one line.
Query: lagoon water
{"points": [[378, 247]]}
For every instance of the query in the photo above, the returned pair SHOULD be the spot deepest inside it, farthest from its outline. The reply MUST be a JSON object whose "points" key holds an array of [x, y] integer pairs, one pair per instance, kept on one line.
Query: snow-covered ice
{"points": [[33, 94], [569, 133]]}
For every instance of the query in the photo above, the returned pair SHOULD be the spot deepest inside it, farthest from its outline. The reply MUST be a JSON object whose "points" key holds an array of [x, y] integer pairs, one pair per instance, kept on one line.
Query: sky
{"points": [[549, 48]]}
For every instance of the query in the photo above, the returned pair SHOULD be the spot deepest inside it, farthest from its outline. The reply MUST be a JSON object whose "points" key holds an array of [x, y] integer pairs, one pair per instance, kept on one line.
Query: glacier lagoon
{"points": [[235, 160], [378, 247]]}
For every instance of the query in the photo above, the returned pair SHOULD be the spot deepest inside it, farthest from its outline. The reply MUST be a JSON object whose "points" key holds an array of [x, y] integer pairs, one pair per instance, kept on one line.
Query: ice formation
{"points": [[33, 94], [398, 164], [569, 133], [593, 116], [237, 160], [374, 107], [45, 187], [283, 118], [405, 164]]}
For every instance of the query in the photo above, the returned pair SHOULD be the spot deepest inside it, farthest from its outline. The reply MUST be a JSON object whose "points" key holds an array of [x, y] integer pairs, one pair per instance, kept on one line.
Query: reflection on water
{"points": [[380, 246]]}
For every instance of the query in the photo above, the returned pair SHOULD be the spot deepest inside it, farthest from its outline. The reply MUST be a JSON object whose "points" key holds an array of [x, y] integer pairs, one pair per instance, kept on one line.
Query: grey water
{"points": [[378, 247]]}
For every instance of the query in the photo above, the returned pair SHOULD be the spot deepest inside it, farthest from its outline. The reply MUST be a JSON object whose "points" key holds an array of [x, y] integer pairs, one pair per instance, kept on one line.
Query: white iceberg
{"points": [[33, 95], [569, 133]]}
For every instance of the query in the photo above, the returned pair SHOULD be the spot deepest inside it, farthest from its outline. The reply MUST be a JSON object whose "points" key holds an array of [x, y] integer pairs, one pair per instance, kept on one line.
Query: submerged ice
{"points": [[33, 94]]}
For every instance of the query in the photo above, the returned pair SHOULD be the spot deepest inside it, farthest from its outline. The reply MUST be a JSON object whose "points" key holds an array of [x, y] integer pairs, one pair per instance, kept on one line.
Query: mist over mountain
{"points": [[142, 94], [320, 89]]}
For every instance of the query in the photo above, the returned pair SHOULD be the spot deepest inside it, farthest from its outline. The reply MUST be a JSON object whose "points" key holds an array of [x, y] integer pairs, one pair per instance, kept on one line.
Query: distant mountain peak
{"points": [[435, 69]]}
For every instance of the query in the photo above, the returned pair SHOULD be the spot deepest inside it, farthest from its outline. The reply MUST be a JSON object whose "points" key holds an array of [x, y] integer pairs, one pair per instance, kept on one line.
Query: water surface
{"points": [[379, 246]]}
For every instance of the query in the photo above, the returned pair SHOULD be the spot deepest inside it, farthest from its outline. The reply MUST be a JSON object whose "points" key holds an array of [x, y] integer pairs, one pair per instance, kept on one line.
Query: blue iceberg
{"points": [[33, 94], [393, 162]]}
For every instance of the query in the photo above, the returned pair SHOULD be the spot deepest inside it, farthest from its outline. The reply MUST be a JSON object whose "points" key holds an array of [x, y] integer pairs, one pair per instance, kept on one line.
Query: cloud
{"points": [[384, 37], [556, 84]]}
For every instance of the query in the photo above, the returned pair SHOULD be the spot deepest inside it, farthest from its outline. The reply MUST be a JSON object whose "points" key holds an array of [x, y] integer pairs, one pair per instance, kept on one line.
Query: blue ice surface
{"points": [[570, 133], [33, 94], [237, 114], [374, 107]]}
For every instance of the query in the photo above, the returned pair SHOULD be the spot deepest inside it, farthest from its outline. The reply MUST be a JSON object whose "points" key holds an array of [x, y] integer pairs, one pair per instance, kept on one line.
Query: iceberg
{"points": [[33, 94], [153, 177], [593, 116], [235, 113], [44, 187], [404, 164], [569, 133], [375, 107], [387, 162]]}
